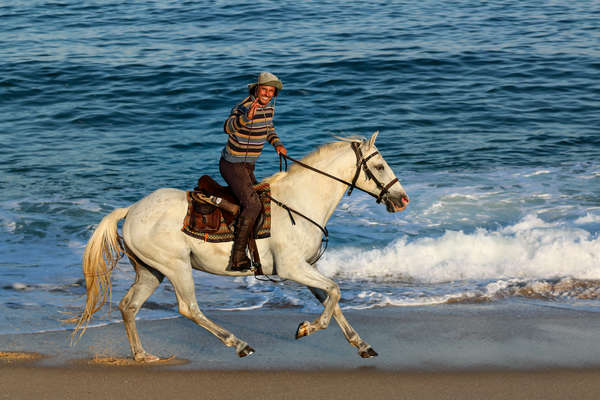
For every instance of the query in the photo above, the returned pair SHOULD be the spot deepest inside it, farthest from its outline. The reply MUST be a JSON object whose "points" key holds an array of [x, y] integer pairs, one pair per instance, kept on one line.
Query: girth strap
{"points": [[322, 228]]}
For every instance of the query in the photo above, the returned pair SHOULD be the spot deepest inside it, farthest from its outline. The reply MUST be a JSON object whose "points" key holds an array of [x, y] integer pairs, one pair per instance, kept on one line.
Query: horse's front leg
{"points": [[364, 349], [306, 274]]}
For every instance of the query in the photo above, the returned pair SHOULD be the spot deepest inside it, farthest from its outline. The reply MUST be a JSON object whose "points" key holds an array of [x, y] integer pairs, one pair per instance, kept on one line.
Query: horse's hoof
{"points": [[146, 358], [302, 330], [368, 353], [246, 351]]}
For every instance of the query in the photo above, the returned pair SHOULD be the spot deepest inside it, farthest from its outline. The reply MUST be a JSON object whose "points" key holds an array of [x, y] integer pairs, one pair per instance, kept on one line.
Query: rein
{"points": [[317, 256], [322, 228], [361, 163]]}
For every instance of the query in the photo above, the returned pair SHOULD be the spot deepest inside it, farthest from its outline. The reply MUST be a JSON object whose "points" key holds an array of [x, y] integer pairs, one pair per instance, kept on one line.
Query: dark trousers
{"points": [[240, 178]]}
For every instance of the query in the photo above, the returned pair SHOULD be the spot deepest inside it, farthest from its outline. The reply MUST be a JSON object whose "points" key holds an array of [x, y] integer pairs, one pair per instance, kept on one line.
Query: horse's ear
{"points": [[372, 140]]}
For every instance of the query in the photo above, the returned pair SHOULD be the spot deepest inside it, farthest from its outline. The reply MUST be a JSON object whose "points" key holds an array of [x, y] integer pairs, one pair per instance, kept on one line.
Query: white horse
{"points": [[156, 246]]}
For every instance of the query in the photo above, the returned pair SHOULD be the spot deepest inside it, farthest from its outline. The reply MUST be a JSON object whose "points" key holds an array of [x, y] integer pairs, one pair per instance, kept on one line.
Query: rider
{"points": [[249, 125]]}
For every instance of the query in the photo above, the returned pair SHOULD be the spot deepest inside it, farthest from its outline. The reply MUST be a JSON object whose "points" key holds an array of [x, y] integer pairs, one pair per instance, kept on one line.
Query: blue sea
{"points": [[488, 112]]}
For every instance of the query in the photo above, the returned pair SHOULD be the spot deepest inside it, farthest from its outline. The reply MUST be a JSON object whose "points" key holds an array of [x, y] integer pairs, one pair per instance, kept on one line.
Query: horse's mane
{"points": [[314, 156]]}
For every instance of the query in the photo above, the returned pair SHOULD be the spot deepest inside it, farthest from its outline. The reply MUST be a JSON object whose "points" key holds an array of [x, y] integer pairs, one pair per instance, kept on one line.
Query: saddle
{"points": [[212, 212]]}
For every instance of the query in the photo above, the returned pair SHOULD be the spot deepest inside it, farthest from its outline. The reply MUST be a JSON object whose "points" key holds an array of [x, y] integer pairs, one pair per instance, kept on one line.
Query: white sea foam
{"points": [[87, 205], [536, 173], [566, 288], [244, 308], [76, 244], [587, 219], [530, 249], [593, 175], [19, 286], [373, 299], [10, 226]]}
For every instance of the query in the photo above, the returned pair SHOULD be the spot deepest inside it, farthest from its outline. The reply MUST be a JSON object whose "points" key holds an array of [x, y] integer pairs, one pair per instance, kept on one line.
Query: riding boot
{"points": [[239, 260]]}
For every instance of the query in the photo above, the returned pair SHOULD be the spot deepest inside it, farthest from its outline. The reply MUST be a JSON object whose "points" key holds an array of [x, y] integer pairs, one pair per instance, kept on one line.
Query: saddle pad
{"points": [[224, 232]]}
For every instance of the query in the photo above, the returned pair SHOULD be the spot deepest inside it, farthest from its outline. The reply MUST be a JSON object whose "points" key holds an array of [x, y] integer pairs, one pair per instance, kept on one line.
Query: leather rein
{"points": [[361, 164]]}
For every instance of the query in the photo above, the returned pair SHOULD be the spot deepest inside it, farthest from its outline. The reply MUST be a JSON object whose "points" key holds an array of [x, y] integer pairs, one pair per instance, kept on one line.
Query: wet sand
{"points": [[478, 351], [140, 383]]}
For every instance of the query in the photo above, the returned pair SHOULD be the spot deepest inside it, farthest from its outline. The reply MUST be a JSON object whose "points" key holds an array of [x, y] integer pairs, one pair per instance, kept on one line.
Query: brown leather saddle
{"points": [[206, 216], [211, 213]]}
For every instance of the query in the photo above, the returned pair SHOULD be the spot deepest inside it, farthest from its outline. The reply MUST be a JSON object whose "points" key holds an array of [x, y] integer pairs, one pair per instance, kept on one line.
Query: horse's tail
{"points": [[103, 251]]}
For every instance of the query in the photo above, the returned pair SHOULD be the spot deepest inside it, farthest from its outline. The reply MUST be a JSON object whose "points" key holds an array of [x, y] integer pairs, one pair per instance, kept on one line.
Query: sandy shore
{"points": [[146, 383], [442, 352]]}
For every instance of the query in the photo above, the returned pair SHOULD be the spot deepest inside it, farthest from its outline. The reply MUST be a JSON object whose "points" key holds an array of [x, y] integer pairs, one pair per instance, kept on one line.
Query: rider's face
{"points": [[265, 94]]}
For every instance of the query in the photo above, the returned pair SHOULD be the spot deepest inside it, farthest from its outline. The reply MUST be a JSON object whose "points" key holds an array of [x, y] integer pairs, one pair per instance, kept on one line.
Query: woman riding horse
{"points": [[249, 125]]}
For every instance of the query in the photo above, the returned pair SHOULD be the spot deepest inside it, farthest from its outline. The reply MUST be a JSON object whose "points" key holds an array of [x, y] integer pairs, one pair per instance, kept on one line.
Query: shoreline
{"points": [[492, 351], [503, 335]]}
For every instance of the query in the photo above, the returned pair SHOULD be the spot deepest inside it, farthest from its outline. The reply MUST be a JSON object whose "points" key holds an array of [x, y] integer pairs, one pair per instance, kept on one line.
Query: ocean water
{"points": [[488, 112]]}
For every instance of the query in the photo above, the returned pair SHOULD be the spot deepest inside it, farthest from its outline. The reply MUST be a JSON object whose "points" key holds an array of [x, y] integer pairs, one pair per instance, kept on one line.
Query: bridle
{"points": [[361, 164]]}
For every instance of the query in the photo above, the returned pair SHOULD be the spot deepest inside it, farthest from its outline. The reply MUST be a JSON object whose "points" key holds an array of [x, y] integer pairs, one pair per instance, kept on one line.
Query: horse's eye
{"points": [[379, 167]]}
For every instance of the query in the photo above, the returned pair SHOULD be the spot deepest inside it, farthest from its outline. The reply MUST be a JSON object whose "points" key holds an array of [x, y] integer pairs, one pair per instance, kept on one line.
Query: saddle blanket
{"points": [[209, 223]]}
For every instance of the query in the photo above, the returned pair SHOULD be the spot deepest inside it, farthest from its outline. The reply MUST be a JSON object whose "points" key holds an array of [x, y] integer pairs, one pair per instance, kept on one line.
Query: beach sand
{"points": [[480, 351]]}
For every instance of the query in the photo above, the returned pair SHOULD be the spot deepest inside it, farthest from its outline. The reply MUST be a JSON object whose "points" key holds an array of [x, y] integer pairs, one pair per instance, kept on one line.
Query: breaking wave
{"points": [[529, 250]]}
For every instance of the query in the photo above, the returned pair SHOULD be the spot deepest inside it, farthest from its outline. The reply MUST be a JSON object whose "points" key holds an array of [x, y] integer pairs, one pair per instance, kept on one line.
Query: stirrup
{"points": [[252, 266], [245, 264], [243, 267]]}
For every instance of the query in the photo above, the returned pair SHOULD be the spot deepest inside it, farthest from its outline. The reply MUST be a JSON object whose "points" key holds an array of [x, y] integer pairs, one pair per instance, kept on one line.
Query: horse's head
{"points": [[375, 175]]}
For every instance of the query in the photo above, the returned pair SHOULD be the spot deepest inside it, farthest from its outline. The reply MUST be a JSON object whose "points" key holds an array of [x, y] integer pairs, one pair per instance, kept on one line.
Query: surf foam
{"points": [[530, 249]]}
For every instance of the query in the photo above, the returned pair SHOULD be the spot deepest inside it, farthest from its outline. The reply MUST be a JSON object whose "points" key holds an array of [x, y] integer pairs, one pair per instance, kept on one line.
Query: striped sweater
{"points": [[247, 136]]}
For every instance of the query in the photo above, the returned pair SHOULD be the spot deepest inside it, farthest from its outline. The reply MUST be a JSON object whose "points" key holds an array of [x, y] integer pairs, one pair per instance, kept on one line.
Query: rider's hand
{"points": [[281, 150], [252, 109]]}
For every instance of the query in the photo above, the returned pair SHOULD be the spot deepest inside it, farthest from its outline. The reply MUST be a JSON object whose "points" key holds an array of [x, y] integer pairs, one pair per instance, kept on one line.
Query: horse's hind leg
{"points": [[146, 282], [364, 349], [183, 282]]}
